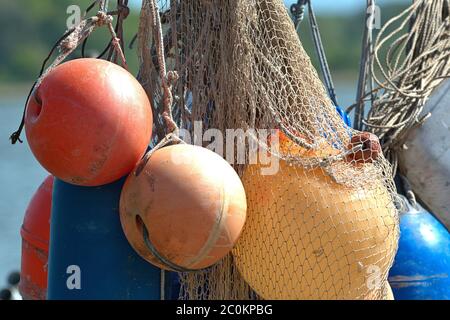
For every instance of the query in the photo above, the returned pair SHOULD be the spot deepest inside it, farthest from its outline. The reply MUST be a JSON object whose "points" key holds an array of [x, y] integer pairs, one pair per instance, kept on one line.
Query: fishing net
{"points": [[322, 221], [323, 225]]}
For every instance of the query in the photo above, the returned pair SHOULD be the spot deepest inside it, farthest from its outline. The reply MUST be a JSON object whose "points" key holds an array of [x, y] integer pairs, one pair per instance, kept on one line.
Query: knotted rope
{"points": [[150, 27]]}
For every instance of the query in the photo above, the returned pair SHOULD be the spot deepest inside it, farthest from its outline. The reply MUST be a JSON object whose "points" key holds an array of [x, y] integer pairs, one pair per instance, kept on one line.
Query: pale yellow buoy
{"points": [[308, 237]]}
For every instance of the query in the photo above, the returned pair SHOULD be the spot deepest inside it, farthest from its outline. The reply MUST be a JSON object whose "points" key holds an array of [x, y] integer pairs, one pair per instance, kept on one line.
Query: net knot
{"points": [[115, 42], [298, 11], [68, 44], [15, 137], [172, 77], [103, 19]]}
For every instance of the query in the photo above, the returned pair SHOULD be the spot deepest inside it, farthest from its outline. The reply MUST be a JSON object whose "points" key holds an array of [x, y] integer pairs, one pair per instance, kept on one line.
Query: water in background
{"points": [[21, 175]]}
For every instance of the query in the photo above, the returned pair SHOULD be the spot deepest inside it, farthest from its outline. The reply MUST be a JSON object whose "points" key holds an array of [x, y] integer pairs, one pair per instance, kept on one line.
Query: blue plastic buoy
{"points": [[90, 258], [344, 116], [421, 270]]}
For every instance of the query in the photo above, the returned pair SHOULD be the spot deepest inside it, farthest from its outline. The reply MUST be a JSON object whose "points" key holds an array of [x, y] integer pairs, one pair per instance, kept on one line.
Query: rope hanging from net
{"points": [[153, 69]]}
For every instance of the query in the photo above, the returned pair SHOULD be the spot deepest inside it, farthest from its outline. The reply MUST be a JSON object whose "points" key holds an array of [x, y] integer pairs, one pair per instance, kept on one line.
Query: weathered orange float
{"points": [[89, 122], [308, 237], [35, 234], [185, 210]]}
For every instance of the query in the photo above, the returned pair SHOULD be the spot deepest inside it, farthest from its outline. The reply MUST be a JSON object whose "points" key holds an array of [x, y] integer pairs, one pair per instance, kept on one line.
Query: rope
{"points": [[119, 41], [366, 59], [321, 53], [16, 135], [104, 5], [122, 13], [151, 53], [148, 76], [83, 46], [416, 62], [167, 78], [408, 191], [298, 11]]}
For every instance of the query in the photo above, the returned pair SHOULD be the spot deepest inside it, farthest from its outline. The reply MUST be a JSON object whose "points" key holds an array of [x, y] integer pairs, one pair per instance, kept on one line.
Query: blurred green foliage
{"points": [[342, 38], [29, 29]]}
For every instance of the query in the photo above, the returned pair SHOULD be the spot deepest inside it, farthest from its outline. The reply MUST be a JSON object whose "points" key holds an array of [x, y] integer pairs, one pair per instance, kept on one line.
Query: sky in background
{"points": [[327, 6]]}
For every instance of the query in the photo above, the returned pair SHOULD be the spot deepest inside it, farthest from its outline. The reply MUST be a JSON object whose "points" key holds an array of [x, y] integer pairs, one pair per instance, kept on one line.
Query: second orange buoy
{"points": [[185, 210]]}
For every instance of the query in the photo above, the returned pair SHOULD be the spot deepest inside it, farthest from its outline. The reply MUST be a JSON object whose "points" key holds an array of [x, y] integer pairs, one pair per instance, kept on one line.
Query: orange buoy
{"points": [[35, 234], [89, 122], [308, 237], [185, 210]]}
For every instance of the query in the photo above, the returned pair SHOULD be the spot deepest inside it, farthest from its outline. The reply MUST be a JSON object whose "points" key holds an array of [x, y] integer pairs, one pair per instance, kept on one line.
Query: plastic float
{"points": [[421, 270], [324, 235], [89, 122], [185, 209], [90, 257]]}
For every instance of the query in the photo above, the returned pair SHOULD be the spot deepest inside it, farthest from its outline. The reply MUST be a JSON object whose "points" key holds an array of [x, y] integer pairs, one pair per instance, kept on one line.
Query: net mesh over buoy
{"points": [[324, 224]]}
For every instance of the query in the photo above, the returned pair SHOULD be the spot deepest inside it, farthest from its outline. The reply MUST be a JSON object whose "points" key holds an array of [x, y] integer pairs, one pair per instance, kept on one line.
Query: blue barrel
{"points": [[90, 258], [421, 270]]}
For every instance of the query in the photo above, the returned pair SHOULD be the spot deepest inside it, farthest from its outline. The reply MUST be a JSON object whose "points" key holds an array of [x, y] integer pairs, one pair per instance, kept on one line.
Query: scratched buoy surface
{"points": [[185, 210], [89, 122], [421, 270]]}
